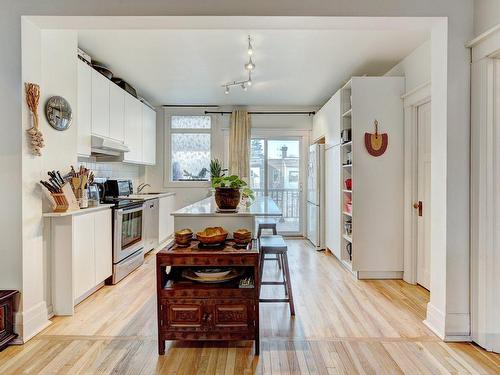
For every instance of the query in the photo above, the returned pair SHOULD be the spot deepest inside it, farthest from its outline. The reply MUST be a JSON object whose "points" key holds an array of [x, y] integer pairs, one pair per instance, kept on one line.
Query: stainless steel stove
{"points": [[128, 228]]}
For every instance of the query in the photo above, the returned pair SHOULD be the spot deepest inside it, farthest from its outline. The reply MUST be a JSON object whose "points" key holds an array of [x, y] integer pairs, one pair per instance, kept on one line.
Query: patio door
{"points": [[276, 171]]}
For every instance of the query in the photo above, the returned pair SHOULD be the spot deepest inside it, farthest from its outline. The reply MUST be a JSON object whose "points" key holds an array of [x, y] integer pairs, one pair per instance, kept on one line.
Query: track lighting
{"points": [[249, 66], [250, 48]]}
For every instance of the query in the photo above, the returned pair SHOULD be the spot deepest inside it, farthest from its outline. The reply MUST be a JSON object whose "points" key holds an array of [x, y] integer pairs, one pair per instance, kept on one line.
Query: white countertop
{"points": [[81, 211], [146, 197], [262, 206]]}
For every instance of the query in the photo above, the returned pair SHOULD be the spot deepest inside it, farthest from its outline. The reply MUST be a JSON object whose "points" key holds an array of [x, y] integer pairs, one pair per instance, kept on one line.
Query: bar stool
{"points": [[272, 227], [276, 245]]}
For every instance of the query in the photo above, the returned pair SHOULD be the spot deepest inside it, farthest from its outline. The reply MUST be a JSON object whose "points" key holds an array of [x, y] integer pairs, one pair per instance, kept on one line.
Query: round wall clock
{"points": [[58, 112]]}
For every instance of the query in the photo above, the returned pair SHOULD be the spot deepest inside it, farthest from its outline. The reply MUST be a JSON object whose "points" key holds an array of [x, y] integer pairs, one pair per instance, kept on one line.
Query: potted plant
{"points": [[228, 191], [216, 169]]}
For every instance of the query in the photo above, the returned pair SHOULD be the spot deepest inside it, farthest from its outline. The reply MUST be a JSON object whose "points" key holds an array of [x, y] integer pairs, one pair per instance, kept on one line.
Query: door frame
{"points": [[303, 135], [411, 101]]}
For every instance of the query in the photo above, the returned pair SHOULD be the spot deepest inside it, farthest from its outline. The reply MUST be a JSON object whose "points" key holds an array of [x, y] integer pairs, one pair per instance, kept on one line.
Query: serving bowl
{"points": [[212, 235]]}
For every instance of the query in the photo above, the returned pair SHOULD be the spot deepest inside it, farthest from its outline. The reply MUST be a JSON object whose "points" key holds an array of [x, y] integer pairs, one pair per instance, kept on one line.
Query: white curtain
{"points": [[239, 144]]}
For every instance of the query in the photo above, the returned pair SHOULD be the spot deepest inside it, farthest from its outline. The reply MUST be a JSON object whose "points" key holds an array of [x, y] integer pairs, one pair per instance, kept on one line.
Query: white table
{"points": [[202, 214]]}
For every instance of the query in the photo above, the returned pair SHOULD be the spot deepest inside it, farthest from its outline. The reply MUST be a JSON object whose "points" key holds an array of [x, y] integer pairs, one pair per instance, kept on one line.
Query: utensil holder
{"points": [[60, 203], [70, 197]]}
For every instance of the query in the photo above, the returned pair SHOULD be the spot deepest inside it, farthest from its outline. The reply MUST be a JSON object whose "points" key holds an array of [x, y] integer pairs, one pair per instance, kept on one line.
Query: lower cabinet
{"points": [[198, 315], [82, 258], [166, 220]]}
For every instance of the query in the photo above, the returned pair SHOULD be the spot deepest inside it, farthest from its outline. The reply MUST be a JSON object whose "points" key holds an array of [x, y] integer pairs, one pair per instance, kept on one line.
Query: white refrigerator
{"points": [[316, 196]]}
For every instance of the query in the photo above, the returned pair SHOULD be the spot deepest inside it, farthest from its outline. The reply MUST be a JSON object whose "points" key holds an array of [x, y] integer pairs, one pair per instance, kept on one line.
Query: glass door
{"points": [[275, 171]]}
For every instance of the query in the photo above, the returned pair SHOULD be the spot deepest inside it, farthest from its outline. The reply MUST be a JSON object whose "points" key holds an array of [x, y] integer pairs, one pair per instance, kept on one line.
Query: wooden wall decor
{"points": [[376, 143], [32, 100]]}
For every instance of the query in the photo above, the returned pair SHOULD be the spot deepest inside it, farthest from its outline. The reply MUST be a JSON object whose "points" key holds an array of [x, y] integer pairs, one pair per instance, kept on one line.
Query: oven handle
{"points": [[130, 210]]}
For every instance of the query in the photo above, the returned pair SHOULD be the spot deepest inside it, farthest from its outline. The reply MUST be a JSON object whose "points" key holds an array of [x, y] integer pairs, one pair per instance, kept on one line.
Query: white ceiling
{"points": [[293, 67]]}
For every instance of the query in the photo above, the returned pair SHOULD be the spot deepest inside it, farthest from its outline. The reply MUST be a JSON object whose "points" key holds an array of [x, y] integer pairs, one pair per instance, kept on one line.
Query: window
{"points": [[190, 145]]}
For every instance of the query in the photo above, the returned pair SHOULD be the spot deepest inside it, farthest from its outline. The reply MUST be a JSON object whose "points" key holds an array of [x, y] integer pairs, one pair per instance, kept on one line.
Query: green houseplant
{"points": [[216, 169], [228, 191]]}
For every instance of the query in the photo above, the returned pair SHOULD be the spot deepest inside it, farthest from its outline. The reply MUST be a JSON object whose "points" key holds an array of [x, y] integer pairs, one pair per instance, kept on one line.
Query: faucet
{"points": [[141, 187]]}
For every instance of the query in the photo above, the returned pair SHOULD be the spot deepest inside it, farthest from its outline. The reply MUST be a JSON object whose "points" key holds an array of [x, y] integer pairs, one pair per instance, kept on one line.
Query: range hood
{"points": [[104, 147]]}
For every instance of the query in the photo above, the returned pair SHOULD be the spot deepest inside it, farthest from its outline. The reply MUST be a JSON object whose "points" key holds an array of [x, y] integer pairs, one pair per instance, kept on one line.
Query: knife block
{"points": [[70, 197], [60, 202]]}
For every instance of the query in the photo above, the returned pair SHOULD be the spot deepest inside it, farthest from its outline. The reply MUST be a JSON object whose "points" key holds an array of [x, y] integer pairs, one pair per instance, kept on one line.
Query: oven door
{"points": [[128, 232]]}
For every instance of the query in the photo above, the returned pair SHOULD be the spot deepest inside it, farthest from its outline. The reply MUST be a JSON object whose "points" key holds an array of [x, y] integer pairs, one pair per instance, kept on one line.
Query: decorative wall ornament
{"points": [[376, 143], [32, 100], [58, 113]]}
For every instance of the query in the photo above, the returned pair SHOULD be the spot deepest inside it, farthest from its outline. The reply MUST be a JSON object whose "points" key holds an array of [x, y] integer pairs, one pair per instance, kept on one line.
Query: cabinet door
{"points": [[233, 315], [166, 221], [133, 129], [103, 259], [116, 112], [83, 262], [184, 315], [333, 120], [84, 109], [318, 129], [148, 135], [332, 200], [100, 104]]}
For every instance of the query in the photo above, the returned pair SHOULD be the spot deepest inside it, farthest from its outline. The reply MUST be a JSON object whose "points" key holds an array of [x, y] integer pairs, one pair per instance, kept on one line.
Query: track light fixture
{"points": [[249, 67]]}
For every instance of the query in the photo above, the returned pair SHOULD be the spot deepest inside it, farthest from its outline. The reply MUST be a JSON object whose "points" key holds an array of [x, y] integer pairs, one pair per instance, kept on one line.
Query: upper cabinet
{"points": [[116, 112], [84, 109], [133, 129], [106, 110], [148, 135], [326, 122], [100, 104]]}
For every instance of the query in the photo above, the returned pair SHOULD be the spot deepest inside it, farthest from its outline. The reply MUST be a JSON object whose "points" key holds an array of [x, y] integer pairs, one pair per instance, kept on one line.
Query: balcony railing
{"points": [[288, 200]]}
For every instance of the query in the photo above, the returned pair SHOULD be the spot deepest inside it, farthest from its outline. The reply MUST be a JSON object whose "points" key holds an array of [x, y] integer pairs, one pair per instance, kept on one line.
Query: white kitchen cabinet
{"points": [[83, 250], [100, 104], [319, 125], [166, 221], [116, 112], [84, 109], [332, 200], [133, 129], [332, 118], [103, 257], [148, 135], [81, 254]]}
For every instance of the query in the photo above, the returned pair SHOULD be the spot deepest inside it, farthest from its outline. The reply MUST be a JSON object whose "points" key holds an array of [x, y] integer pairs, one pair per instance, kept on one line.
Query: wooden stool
{"points": [[276, 245], [271, 226]]}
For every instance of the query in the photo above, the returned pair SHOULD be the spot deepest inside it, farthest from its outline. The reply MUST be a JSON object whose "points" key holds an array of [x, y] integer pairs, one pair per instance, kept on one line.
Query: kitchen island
{"points": [[202, 214]]}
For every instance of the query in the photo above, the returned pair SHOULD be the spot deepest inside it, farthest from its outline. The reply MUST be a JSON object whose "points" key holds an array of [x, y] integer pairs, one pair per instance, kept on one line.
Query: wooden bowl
{"points": [[242, 234], [212, 235], [184, 233]]}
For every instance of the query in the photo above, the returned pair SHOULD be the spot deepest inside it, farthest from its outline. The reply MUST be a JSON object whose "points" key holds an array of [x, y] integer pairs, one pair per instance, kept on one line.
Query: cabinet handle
{"points": [[207, 317]]}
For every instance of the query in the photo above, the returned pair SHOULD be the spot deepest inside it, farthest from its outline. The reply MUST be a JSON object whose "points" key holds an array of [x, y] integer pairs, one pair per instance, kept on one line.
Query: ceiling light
{"points": [[244, 87], [250, 48], [226, 91], [250, 65], [249, 81]]}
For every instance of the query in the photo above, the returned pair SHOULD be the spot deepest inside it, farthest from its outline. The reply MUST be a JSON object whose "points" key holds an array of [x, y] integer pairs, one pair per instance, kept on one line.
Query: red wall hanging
{"points": [[376, 143]]}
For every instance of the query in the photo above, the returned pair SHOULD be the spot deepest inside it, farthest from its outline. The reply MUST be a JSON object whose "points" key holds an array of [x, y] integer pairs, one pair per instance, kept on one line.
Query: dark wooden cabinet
{"points": [[7, 317], [188, 310]]}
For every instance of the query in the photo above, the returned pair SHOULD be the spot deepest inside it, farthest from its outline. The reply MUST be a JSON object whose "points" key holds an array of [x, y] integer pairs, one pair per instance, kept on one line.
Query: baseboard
{"points": [[380, 275], [435, 321], [31, 322]]}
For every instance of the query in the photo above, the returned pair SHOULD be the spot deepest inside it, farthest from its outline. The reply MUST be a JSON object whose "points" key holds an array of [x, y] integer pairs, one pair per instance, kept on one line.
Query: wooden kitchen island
{"points": [[190, 310]]}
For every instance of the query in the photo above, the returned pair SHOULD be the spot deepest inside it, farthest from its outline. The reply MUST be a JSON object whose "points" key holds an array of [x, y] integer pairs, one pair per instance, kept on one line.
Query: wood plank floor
{"points": [[342, 326]]}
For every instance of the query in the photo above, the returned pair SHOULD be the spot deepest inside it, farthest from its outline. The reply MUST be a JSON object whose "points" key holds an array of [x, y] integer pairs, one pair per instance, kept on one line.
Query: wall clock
{"points": [[58, 113]]}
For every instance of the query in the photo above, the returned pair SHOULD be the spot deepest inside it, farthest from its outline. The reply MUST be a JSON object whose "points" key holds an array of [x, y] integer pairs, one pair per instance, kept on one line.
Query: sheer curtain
{"points": [[239, 144]]}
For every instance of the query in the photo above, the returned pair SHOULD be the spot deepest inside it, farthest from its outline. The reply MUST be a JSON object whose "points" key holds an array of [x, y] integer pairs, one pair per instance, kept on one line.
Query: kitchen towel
{"points": [[239, 144]]}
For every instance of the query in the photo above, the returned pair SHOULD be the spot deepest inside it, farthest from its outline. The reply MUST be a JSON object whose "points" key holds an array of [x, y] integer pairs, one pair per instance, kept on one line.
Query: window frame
{"points": [[167, 168]]}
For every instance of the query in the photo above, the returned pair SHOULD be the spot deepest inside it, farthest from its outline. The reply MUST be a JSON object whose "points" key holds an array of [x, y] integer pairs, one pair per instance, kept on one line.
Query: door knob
{"points": [[418, 205]]}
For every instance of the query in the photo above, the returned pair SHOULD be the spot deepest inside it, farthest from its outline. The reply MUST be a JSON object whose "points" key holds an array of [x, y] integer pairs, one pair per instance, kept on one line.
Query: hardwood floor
{"points": [[342, 326]]}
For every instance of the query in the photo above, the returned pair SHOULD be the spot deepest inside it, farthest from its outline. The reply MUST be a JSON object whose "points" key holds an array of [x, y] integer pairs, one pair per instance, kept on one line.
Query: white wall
{"points": [[486, 15], [155, 175], [416, 67], [450, 90]]}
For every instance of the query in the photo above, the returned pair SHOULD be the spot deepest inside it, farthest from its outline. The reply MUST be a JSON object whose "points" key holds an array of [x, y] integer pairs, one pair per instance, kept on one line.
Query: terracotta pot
{"points": [[227, 198]]}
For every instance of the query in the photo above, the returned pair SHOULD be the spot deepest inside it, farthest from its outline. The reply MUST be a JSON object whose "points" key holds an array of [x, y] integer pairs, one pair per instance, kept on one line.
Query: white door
{"points": [[423, 187], [312, 175]]}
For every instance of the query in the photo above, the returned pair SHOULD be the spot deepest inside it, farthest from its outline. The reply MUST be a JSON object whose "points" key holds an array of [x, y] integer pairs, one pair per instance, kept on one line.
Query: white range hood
{"points": [[107, 147]]}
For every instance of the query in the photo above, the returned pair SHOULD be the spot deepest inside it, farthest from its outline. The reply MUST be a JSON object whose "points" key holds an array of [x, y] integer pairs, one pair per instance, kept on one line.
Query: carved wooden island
{"points": [[189, 310]]}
